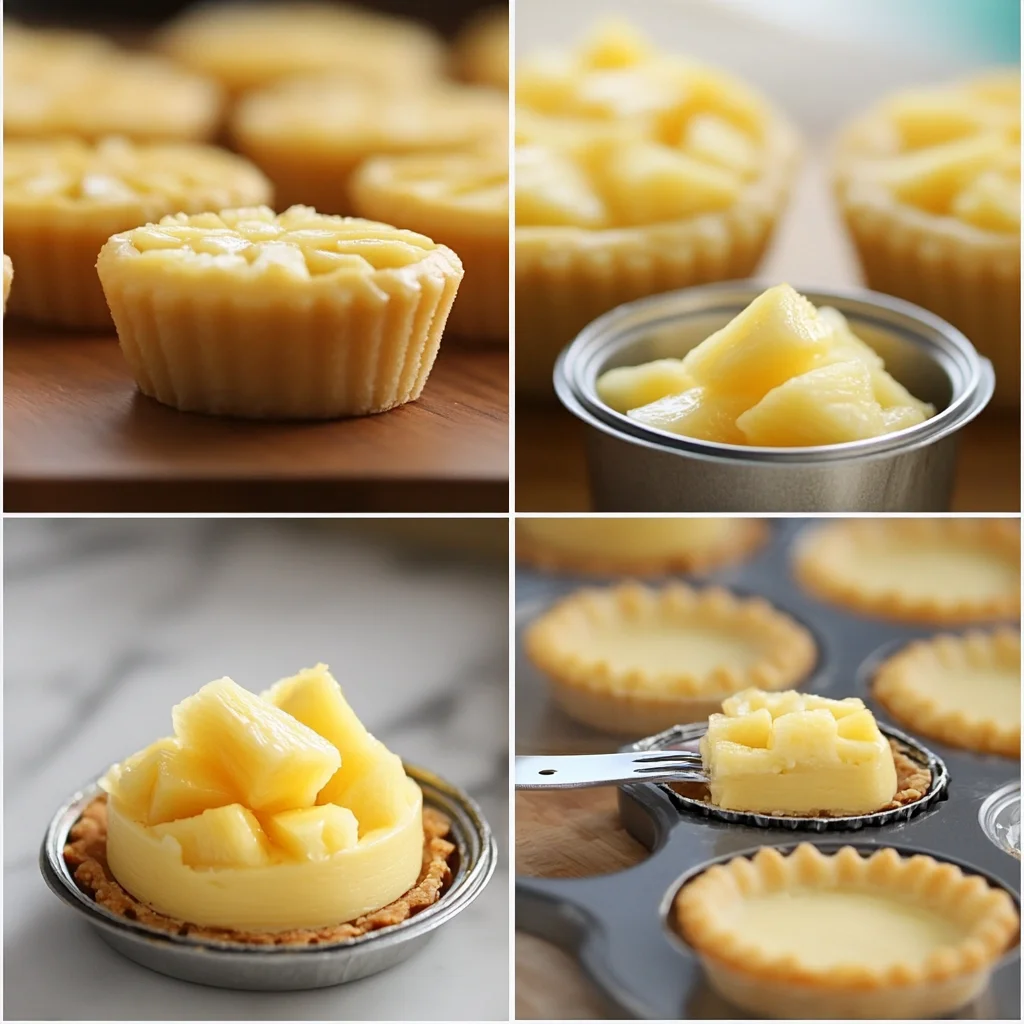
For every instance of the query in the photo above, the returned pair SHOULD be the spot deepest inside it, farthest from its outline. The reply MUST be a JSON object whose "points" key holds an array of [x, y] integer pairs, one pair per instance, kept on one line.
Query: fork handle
{"points": [[576, 771]]}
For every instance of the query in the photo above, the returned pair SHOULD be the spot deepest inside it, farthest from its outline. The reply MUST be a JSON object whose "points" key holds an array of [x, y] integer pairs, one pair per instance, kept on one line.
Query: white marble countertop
{"points": [[108, 623]]}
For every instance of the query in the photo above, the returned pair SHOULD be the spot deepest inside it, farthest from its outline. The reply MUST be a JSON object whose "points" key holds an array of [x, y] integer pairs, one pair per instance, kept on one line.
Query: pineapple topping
{"points": [[255, 780], [780, 374]]}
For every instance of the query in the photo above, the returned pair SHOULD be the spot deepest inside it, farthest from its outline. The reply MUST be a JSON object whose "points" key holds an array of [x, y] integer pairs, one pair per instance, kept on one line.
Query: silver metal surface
{"points": [[614, 923], [577, 771], [634, 468], [282, 968], [1000, 818], [689, 736]]}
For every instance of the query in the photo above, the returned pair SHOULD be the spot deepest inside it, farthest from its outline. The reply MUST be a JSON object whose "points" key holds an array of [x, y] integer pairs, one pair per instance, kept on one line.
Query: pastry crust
{"points": [[460, 199], [630, 698], [741, 539], [310, 134], [79, 85], [247, 45], [64, 199], [749, 974], [297, 315], [824, 556], [966, 273], [85, 856], [904, 685]]}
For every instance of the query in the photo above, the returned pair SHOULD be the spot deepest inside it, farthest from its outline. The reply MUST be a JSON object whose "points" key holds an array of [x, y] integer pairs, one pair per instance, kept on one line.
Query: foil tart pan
{"points": [[281, 968]]}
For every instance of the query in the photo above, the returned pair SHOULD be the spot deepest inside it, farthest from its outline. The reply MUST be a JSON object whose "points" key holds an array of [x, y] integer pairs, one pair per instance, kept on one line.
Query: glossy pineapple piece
{"points": [[224, 837], [313, 833], [629, 387], [698, 412]]}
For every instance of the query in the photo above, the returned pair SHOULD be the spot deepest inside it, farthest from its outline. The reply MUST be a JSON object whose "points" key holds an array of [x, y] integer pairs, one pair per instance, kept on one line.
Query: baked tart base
{"points": [[85, 856], [636, 547], [962, 690], [634, 660], [813, 936], [915, 570]]}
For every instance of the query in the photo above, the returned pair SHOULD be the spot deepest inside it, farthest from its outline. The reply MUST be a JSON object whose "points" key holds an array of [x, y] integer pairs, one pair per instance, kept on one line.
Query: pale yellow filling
{"points": [[926, 571], [660, 650], [829, 929], [979, 694]]}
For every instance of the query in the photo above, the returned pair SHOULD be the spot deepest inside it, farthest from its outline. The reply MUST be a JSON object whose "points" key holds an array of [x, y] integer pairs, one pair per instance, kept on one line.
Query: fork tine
{"points": [[670, 757]]}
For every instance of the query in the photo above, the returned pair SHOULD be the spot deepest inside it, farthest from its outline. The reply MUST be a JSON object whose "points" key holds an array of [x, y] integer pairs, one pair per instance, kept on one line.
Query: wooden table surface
{"points": [[79, 437], [551, 474]]}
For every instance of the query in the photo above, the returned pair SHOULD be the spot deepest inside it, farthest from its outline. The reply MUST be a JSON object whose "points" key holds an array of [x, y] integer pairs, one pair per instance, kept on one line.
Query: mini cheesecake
{"points": [[797, 754]]}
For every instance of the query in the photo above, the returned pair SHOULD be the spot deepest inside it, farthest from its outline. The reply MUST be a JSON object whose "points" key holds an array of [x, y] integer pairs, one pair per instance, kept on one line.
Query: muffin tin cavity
{"points": [[1000, 818], [692, 798]]}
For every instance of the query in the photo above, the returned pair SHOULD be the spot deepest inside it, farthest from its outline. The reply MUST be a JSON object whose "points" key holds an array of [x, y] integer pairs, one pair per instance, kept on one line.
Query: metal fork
{"points": [[578, 770]]}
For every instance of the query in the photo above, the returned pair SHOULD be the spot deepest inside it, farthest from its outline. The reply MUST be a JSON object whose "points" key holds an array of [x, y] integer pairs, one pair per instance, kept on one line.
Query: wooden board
{"points": [[551, 473], [78, 437], [574, 834]]}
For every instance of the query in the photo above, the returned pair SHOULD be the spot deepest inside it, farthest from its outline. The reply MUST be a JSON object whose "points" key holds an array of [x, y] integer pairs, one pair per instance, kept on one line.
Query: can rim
{"points": [[472, 835], [970, 375]]}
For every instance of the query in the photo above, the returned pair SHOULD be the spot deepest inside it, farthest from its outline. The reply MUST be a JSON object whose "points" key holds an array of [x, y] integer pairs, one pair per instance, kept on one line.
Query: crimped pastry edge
{"points": [[893, 686], [748, 536], [698, 904], [810, 557], [594, 693]]}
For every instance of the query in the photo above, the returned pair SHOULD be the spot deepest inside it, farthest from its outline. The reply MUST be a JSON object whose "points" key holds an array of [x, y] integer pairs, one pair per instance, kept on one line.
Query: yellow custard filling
{"points": [[268, 812], [797, 753], [780, 374], [951, 152], [616, 134]]}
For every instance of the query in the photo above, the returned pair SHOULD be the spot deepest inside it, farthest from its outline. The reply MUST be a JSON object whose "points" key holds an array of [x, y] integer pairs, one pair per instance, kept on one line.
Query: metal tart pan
{"points": [[282, 968], [614, 924], [635, 468]]}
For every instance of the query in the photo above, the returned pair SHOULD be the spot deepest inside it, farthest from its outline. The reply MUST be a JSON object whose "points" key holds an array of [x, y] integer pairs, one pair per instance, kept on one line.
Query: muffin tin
{"points": [[282, 968], [617, 924]]}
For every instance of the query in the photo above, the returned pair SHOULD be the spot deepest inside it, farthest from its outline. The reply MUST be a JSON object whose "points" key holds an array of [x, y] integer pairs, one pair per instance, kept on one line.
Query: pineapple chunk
{"points": [[132, 781], [275, 762], [629, 387], [615, 44], [750, 730], [648, 183], [846, 345], [714, 140], [778, 336], [314, 833], [829, 405], [186, 785], [932, 178], [314, 698], [380, 796], [552, 190], [990, 202], [698, 412], [927, 118], [224, 837]]}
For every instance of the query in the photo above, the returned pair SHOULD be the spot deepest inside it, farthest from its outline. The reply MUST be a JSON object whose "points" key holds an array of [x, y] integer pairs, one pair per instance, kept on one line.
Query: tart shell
{"points": [[744, 538], [568, 276], [782, 987], [818, 567], [85, 855], [894, 687], [627, 702]]}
